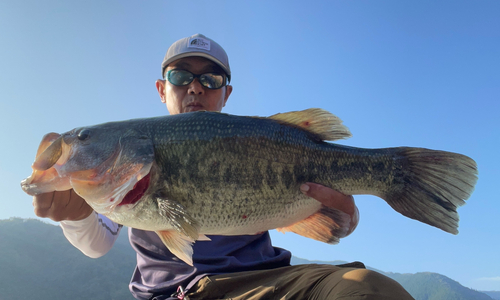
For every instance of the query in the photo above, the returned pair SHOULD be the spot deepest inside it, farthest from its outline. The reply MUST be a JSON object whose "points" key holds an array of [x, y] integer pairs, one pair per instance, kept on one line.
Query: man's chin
{"points": [[194, 108]]}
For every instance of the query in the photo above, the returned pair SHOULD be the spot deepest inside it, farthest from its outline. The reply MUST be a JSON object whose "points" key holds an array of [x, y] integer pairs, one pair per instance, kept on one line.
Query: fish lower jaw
{"points": [[32, 187]]}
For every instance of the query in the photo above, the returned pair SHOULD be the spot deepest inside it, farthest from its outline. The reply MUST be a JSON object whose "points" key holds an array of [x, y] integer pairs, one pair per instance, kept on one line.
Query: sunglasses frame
{"points": [[199, 78]]}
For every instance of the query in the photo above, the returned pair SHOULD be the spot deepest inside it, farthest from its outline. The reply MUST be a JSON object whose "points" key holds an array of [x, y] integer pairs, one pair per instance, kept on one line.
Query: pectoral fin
{"points": [[327, 225], [179, 240], [179, 244], [203, 237], [179, 218]]}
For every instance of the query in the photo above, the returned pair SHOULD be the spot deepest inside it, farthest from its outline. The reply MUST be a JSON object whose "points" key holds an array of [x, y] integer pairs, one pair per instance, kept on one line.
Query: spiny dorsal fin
{"points": [[318, 121]]}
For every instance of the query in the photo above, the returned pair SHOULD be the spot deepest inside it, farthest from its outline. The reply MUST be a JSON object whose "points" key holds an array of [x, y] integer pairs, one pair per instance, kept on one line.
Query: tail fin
{"points": [[431, 185]]}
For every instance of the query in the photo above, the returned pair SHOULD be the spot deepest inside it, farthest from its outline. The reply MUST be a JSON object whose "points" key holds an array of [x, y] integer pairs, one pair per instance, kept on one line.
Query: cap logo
{"points": [[199, 43]]}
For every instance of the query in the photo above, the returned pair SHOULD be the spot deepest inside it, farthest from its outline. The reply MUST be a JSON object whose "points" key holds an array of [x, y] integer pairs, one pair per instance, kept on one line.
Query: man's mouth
{"points": [[194, 107]]}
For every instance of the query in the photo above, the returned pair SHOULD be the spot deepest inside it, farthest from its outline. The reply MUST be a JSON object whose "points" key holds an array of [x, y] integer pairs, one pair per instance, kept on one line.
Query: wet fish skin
{"points": [[213, 173], [285, 157], [205, 168]]}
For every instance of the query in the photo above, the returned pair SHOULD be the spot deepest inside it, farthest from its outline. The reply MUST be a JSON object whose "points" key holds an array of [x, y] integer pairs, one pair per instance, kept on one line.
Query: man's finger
{"points": [[61, 200], [77, 208], [329, 197], [333, 199], [42, 204], [61, 205]]}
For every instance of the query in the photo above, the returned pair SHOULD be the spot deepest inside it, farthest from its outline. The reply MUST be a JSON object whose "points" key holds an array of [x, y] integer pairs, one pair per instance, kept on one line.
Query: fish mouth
{"points": [[139, 189]]}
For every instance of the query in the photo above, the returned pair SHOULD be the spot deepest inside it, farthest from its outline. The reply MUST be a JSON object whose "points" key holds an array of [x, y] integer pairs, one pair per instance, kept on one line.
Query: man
{"points": [[196, 71]]}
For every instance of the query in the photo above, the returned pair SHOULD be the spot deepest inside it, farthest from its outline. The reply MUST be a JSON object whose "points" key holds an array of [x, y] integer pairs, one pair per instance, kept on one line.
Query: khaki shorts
{"points": [[351, 281]]}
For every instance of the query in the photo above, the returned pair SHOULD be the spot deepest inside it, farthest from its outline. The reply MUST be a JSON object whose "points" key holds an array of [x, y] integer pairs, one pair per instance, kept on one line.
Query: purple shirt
{"points": [[159, 273]]}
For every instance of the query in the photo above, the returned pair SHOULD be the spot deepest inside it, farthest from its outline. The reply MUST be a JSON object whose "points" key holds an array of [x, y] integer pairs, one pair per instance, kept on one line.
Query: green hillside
{"points": [[493, 294], [433, 286], [37, 262]]}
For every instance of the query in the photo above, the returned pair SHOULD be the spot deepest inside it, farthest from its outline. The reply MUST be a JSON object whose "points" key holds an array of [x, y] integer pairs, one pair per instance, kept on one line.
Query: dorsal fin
{"points": [[318, 121]]}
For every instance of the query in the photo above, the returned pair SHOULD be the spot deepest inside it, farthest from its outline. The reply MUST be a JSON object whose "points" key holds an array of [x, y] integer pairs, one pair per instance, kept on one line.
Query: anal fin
{"points": [[327, 225]]}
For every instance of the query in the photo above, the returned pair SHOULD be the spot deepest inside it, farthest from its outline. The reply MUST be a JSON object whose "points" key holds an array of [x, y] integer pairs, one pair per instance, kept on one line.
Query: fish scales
{"points": [[187, 163], [211, 173], [247, 164]]}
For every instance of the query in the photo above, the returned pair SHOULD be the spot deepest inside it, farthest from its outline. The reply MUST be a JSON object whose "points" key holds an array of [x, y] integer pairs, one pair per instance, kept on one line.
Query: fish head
{"points": [[103, 164]]}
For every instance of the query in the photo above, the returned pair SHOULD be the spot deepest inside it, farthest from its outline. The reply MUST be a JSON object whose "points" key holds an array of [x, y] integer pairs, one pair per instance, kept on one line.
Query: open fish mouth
{"points": [[106, 173], [137, 192], [45, 177]]}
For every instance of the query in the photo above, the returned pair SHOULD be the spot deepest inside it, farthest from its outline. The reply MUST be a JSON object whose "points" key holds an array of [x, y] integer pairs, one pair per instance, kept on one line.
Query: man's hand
{"points": [[59, 206], [333, 199]]}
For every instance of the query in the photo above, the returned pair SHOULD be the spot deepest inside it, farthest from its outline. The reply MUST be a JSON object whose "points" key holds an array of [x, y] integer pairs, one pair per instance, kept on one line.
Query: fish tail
{"points": [[430, 185]]}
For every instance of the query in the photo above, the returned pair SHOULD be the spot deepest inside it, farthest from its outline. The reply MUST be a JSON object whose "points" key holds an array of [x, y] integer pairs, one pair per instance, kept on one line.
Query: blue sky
{"points": [[424, 74]]}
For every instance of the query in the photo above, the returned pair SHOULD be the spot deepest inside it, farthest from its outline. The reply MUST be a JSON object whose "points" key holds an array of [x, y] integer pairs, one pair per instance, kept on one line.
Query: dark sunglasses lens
{"points": [[212, 80], [208, 80], [179, 77]]}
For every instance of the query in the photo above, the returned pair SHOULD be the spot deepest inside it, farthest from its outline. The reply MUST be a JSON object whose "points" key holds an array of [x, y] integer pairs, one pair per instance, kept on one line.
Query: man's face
{"points": [[194, 96]]}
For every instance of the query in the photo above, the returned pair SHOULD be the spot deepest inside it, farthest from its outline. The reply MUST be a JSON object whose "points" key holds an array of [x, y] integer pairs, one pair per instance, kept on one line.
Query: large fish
{"points": [[195, 174]]}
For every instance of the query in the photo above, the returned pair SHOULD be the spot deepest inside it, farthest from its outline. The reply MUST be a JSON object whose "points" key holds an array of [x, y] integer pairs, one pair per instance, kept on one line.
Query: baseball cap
{"points": [[197, 45]]}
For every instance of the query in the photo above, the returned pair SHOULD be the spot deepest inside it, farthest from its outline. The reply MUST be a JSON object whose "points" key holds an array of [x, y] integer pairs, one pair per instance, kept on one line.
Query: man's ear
{"points": [[160, 86], [229, 89]]}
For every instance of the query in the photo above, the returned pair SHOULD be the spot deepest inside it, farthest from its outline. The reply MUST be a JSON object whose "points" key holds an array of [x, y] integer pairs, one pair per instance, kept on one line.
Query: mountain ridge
{"points": [[37, 259]]}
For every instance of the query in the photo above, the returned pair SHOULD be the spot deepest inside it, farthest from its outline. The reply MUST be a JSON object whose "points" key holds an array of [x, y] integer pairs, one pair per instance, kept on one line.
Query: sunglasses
{"points": [[209, 80]]}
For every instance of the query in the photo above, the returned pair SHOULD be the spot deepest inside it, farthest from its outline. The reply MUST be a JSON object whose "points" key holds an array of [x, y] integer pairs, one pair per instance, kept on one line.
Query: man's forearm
{"points": [[94, 235]]}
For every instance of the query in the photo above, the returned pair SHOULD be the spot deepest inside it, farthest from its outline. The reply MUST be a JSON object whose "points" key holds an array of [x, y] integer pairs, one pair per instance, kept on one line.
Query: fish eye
{"points": [[84, 134]]}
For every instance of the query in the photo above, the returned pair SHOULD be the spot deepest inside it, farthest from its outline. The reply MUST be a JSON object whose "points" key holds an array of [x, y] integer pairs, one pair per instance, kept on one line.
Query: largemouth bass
{"points": [[207, 173]]}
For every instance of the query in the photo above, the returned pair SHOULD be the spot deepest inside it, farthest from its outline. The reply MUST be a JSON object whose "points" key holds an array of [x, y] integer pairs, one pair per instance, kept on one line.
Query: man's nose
{"points": [[195, 87]]}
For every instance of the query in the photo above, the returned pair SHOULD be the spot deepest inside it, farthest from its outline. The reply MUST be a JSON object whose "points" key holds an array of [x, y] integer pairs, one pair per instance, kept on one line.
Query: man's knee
{"points": [[364, 275], [361, 284]]}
